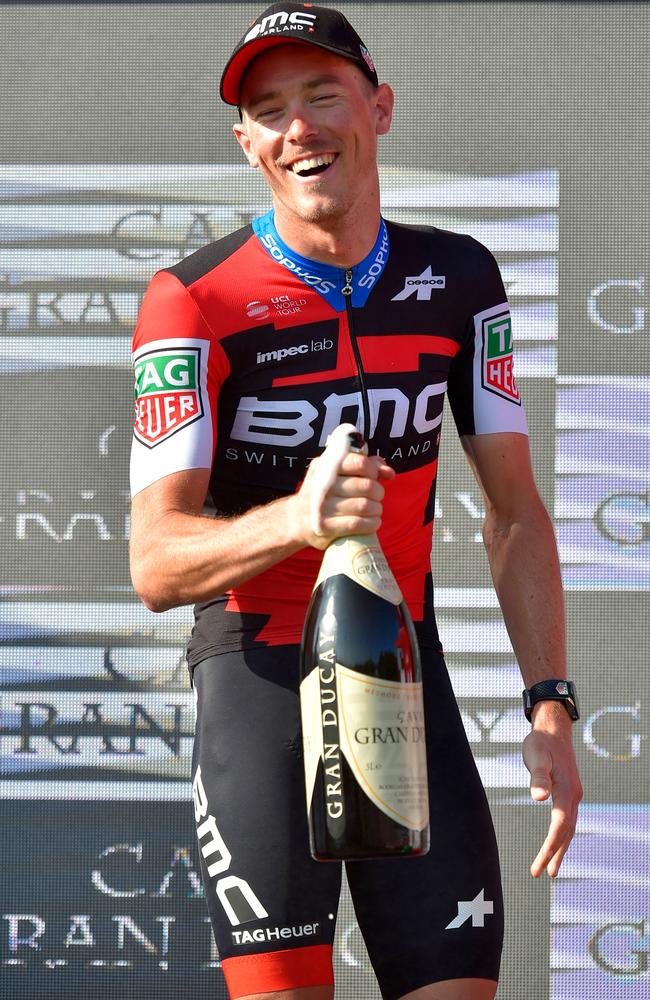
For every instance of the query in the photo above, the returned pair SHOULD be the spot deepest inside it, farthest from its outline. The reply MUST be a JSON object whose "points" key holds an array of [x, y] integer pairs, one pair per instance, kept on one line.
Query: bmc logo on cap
{"points": [[281, 20]]}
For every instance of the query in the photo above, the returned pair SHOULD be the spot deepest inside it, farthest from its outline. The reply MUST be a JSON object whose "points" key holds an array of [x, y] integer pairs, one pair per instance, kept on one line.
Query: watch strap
{"points": [[552, 690]]}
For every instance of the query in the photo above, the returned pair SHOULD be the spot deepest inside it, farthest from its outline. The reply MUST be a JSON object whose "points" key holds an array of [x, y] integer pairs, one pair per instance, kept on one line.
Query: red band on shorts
{"points": [[279, 970]]}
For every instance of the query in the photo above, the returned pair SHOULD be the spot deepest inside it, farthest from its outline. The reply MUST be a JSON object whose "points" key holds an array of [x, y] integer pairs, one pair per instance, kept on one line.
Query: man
{"points": [[247, 354]]}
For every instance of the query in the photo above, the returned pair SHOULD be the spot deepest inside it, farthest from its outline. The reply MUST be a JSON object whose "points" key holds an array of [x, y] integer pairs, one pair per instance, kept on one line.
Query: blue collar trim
{"points": [[325, 279]]}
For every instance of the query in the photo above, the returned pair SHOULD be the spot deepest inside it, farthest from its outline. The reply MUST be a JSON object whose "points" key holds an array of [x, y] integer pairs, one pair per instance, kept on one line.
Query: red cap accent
{"points": [[242, 59], [287, 22]]}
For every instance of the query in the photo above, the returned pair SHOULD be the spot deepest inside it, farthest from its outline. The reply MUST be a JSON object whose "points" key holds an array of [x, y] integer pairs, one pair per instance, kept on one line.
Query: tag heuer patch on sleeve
{"points": [[167, 392], [497, 364]]}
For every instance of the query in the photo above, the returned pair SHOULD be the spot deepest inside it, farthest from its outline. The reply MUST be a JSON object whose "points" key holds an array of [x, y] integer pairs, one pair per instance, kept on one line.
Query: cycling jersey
{"points": [[247, 355]]}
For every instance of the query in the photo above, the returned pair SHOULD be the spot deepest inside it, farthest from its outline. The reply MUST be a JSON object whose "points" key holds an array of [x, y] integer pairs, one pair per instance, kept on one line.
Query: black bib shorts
{"points": [[272, 907]]}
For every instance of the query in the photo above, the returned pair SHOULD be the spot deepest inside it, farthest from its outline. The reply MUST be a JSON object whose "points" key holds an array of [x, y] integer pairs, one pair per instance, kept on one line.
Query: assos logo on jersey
{"points": [[167, 392], [280, 21], [320, 284], [421, 285], [497, 364]]}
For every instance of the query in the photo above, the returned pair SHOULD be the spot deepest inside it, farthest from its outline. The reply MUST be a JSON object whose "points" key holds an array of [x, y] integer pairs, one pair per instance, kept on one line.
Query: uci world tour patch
{"points": [[497, 370], [167, 392]]}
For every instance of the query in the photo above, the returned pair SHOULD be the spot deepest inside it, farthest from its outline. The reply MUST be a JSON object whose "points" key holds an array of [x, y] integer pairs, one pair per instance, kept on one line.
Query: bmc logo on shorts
{"points": [[497, 364], [167, 392]]}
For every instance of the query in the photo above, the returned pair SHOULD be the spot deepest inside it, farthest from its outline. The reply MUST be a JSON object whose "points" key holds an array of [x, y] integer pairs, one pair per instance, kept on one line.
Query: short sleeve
{"points": [[482, 390], [178, 368]]}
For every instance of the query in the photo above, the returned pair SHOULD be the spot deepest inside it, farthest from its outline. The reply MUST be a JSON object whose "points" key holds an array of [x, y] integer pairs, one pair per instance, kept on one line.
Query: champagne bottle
{"points": [[361, 699]]}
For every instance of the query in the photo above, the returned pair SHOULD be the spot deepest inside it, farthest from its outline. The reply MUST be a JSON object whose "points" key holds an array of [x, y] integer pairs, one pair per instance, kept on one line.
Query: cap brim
{"points": [[241, 60]]}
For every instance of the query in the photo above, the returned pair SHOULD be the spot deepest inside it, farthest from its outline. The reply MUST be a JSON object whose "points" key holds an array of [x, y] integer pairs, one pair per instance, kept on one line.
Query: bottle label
{"points": [[319, 708], [362, 560], [381, 728], [312, 730], [378, 725]]}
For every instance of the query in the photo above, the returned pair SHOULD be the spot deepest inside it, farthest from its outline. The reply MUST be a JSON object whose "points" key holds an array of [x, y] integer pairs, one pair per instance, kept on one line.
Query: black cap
{"points": [[295, 22]]}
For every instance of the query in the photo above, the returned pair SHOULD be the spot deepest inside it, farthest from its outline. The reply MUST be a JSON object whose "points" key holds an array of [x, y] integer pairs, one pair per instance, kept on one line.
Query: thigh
{"points": [[272, 907], [440, 917]]}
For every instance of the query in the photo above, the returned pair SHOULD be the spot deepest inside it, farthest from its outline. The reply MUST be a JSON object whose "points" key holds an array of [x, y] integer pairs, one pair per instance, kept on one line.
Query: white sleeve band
{"points": [[497, 403], [173, 428]]}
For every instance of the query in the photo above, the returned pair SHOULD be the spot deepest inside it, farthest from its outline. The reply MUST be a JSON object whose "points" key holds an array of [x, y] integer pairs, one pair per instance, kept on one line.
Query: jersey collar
{"points": [[325, 279]]}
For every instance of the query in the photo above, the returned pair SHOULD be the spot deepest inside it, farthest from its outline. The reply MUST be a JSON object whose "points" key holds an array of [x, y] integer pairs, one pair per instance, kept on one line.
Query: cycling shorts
{"points": [[272, 907]]}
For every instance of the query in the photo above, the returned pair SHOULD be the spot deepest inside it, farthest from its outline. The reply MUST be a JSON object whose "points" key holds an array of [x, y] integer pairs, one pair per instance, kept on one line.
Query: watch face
{"points": [[571, 698]]}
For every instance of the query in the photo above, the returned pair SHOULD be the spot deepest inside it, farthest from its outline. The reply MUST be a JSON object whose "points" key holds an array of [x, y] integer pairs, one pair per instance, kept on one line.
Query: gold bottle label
{"points": [[378, 726], [361, 558], [312, 730], [381, 725]]}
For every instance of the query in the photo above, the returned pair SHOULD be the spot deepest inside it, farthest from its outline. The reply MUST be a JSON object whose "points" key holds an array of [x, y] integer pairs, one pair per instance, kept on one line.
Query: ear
{"points": [[242, 137], [384, 103]]}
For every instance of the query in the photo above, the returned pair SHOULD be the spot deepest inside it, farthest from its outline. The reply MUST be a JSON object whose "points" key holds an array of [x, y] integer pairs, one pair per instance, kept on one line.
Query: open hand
{"points": [[548, 754]]}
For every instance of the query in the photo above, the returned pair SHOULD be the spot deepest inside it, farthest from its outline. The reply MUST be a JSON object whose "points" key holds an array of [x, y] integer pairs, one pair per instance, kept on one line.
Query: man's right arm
{"points": [[178, 556]]}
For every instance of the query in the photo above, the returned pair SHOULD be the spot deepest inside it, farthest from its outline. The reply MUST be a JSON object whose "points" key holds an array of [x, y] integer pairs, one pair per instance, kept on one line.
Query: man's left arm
{"points": [[525, 567]]}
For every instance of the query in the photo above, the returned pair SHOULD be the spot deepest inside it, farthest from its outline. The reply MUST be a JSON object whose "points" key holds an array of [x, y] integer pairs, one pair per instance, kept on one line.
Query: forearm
{"points": [[180, 557], [195, 558], [526, 572]]}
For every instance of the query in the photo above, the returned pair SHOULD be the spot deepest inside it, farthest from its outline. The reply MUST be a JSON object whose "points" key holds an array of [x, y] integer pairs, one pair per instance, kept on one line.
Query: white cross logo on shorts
{"points": [[476, 908]]}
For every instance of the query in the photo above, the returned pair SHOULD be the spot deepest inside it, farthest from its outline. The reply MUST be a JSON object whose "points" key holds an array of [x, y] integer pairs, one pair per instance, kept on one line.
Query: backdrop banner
{"points": [[522, 124]]}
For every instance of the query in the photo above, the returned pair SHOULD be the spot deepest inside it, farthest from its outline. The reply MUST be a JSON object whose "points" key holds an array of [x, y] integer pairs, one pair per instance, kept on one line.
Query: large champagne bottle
{"points": [[361, 701]]}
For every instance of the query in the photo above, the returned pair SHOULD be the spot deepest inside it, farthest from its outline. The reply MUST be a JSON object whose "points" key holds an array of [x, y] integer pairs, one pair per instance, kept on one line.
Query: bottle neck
{"points": [[362, 560]]}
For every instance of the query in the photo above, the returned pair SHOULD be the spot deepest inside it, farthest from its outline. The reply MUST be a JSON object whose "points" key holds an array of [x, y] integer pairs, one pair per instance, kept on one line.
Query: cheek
{"points": [[262, 151]]}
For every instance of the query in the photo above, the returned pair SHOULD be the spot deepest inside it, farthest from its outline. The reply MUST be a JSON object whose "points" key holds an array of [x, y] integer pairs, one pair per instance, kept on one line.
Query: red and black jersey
{"points": [[246, 357]]}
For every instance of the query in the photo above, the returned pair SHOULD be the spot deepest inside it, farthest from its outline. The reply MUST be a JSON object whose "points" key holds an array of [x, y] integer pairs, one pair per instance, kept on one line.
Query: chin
{"points": [[321, 210]]}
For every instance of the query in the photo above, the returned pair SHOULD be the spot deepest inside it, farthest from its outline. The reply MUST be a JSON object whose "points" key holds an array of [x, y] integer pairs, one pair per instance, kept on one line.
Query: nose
{"points": [[301, 126]]}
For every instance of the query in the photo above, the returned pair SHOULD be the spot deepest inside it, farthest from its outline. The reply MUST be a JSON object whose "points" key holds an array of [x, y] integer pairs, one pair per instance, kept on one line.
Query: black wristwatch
{"points": [[554, 690]]}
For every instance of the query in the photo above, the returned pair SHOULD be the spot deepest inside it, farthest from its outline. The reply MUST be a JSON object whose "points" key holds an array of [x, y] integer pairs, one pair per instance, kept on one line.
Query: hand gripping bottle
{"points": [[361, 698]]}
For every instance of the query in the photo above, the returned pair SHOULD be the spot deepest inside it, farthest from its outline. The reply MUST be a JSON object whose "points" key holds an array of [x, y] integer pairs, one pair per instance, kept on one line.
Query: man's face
{"points": [[310, 124]]}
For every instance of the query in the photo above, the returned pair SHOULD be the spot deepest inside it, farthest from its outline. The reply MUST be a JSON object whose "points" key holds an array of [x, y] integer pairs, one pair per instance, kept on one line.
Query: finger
{"points": [[354, 506], [557, 859], [358, 486], [550, 862], [373, 466], [386, 471], [540, 783], [340, 525], [539, 762], [559, 836]]}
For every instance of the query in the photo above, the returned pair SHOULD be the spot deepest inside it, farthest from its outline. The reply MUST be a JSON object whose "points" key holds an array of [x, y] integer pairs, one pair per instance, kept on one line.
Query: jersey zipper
{"points": [[365, 404]]}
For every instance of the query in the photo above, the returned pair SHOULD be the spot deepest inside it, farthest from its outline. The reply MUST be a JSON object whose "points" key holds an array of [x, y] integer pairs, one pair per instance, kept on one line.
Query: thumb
{"points": [[540, 784], [538, 761]]}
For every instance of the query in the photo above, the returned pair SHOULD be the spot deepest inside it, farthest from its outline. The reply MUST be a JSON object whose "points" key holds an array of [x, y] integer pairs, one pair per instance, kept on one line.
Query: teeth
{"points": [[314, 161]]}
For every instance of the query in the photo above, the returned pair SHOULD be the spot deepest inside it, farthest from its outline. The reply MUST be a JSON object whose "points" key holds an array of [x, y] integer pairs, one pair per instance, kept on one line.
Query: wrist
{"points": [[551, 717], [555, 690], [293, 521]]}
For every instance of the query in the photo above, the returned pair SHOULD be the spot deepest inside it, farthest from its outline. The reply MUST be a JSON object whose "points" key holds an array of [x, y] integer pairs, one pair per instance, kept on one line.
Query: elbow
{"points": [[154, 602], [502, 528], [150, 588]]}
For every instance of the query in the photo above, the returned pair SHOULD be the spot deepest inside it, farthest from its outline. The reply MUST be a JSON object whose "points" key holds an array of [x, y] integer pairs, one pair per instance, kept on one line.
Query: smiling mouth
{"points": [[311, 166]]}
